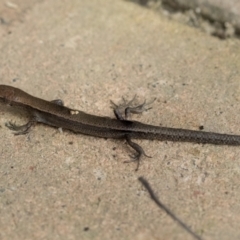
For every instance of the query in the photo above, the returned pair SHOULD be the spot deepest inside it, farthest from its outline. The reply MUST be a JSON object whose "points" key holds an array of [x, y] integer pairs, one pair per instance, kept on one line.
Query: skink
{"points": [[53, 113]]}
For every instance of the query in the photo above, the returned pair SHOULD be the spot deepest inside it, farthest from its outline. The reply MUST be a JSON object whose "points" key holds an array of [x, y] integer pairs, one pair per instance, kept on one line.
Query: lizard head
{"points": [[7, 94]]}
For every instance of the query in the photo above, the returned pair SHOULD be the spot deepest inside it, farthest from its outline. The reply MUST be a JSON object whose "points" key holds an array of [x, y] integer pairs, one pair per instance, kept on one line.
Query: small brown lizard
{"points": [[53, 113]]}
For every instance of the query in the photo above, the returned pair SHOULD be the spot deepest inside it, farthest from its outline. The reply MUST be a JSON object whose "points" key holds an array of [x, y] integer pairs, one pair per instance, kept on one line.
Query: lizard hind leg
{"points": [[127, 108], [139, 151]]}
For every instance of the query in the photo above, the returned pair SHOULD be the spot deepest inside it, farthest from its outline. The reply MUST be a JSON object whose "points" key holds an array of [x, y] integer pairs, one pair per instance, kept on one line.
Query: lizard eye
{"points": [[6, 101], [3, 99]]}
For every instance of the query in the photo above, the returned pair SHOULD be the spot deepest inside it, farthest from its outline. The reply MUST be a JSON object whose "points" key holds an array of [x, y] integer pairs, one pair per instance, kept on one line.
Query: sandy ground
{"points": [[60, 185]]}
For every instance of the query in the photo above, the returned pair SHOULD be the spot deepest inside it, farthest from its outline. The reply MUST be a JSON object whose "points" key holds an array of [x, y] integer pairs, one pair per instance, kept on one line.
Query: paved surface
{"points": [[64, 186]]}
